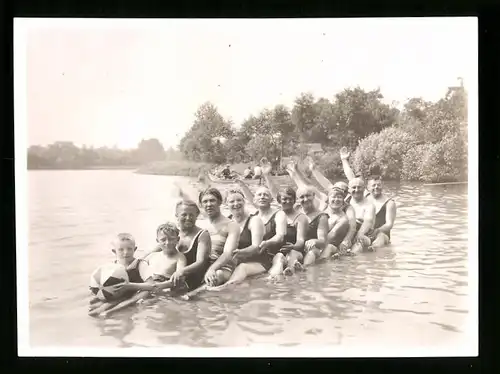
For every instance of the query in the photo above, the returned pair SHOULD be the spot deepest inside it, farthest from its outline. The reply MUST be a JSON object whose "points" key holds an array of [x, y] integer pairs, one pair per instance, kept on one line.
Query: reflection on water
{"points": [[412, 292]]}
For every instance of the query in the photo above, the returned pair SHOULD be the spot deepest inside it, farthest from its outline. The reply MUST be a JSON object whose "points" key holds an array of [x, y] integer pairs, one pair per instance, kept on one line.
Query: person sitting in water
{"points": [[291, 254], [346, 242], [247, 257], [385, 207], [274, 224], [316, 237], [248, 173], [338, 222], [224, 235], [385, 213], [139, 274], [169, 261], [365, 216]]}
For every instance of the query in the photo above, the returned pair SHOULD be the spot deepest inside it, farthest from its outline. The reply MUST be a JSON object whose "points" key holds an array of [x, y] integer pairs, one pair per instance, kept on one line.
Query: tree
{"points": [[150, 150], [303, 115], [202, 141]]}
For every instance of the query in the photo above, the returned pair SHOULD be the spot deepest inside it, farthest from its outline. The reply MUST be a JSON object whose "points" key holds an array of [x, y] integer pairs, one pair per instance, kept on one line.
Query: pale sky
{"points": [[114, 82]]}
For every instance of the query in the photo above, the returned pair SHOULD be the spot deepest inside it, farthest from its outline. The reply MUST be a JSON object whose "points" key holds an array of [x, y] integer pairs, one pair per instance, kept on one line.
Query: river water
{"points": [[410, 294]]}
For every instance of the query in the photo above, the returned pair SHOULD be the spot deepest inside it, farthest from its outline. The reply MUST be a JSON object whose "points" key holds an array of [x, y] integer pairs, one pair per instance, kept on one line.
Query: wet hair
{"points": [[123, 237], [170, 229], [187, 203], [211, 191], [287, 191], [235, 191]]}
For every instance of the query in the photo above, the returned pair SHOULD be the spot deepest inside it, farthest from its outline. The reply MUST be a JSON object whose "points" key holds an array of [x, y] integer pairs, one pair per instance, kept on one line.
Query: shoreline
{"points": [[194, 169]]}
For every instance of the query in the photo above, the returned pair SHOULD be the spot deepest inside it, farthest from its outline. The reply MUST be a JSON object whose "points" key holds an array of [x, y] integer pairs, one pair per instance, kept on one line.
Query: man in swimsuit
{"points": [[385, 212], [365, 215], [385, 208]]}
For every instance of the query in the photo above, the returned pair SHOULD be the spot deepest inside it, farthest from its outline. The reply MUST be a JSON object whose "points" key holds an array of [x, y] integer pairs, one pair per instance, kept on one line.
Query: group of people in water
{"points": [[257, 237]]}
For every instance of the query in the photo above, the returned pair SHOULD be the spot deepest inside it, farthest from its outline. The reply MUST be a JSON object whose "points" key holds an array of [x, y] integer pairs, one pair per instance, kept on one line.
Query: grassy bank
{"points": [[181, 168]]}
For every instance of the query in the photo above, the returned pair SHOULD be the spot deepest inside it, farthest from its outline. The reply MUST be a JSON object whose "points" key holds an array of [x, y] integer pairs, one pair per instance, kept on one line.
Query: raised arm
{"points": [[322, 180], [300, 181], [344, 156], [246, 191], [266, 171]]}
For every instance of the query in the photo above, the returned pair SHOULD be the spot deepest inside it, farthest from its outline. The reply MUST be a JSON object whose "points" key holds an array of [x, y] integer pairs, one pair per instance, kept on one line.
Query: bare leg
{"points": [[246, 270], [311, 256], [278, 265], [381, 240], [329, 250], [293, 262]]}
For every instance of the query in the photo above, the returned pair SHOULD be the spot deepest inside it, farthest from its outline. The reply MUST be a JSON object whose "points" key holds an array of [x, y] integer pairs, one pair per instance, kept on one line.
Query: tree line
{"points": [[424, 141], [66, 155]]}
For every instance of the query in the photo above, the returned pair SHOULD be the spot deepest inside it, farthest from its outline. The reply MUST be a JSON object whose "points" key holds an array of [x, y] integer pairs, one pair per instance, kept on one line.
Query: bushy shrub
{"points": [[435, 162], [385, 149]]}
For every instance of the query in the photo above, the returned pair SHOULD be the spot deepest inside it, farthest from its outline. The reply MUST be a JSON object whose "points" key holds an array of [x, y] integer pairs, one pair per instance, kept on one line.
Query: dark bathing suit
{"points": [[380, 218], [266, 258], [291, 232], [134, 276], [194, 280], [312, 229]]}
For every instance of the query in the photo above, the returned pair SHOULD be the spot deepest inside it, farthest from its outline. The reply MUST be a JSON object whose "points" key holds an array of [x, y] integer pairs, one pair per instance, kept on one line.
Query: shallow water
{"points": [[412, 293]]}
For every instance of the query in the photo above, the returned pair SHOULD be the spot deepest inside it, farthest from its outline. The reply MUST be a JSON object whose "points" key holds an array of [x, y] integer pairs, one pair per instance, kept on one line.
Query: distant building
{"points": [[314, 149]]}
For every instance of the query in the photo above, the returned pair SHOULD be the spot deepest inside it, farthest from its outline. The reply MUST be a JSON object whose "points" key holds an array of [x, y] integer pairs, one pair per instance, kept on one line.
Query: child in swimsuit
{"points": [[163, 264], [139, 275]]}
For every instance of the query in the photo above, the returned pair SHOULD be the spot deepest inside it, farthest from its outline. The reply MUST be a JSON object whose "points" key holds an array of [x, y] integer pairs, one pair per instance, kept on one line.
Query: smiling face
{"points": [[186, 214], [211, 205], [235, 202], [336, 199], [375, 187], [305, 197], [357, 188], [287, 200], [263, 197]]}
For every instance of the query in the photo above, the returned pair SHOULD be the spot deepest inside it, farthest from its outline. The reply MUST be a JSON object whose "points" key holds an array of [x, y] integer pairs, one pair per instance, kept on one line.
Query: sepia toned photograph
{"points": [[246, 187]]}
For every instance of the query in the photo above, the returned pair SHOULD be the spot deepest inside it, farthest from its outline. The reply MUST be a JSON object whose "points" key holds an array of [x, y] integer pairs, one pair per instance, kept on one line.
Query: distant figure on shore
{"points": [[226, 172], [257, 173], [248, 173]]}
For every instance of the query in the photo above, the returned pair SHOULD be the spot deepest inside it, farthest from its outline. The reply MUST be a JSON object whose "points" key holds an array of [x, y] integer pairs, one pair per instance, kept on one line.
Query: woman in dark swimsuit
{"points": [[292, 252], [246, 257], [194, 243]]}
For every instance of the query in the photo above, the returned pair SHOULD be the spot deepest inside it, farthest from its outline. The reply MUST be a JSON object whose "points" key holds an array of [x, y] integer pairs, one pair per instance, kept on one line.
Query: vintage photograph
{"points": [[246, 187]]}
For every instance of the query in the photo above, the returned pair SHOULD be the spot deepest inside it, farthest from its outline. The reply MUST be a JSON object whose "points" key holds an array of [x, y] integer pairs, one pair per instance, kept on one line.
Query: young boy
{"points": [[139, 273], [165, 263]]}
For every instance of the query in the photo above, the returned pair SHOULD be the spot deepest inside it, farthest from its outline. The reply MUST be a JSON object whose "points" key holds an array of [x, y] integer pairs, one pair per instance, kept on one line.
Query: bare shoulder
{"points": [[302, 218], [280, 215], [255, 221], [232, 227]]}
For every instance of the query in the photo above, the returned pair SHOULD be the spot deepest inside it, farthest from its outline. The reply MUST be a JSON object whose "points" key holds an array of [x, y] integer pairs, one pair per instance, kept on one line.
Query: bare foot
{"points": [[289, 271], [298, 266], [336, 256]]}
